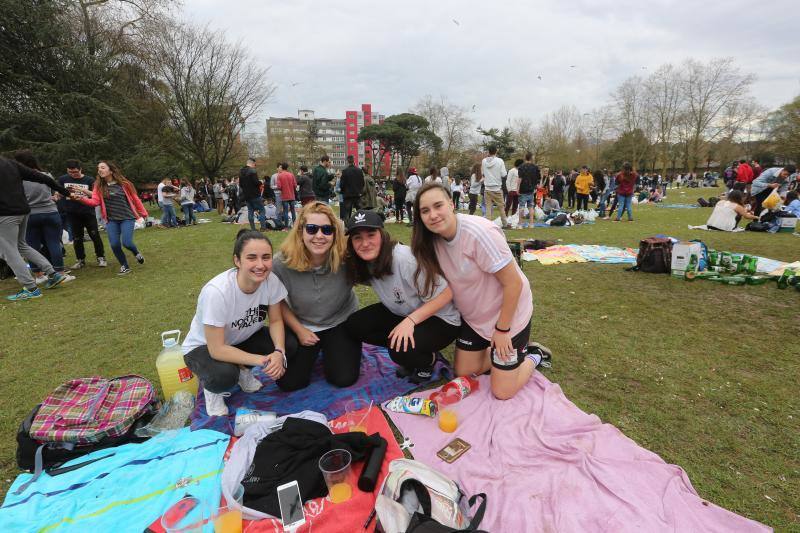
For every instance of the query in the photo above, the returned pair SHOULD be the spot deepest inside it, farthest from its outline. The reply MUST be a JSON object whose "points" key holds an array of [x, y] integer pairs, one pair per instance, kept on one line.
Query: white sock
{"points": [[536, 357]]}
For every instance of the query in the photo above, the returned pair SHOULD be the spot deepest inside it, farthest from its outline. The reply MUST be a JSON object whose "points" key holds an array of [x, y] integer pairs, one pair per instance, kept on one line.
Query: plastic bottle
{"points": [[691, 269], [455, 390], [172, 371]]}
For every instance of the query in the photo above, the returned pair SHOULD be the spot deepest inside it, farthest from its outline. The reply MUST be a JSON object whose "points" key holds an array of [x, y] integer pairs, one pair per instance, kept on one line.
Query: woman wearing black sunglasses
{"points": [[319, 299]]}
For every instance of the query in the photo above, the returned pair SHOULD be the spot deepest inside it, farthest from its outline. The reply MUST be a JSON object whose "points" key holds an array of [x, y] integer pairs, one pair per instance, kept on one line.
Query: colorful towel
{"points": [[321, 514], [555, 255], [545, 465], [126, 489], [377, 382], [604, 254]]}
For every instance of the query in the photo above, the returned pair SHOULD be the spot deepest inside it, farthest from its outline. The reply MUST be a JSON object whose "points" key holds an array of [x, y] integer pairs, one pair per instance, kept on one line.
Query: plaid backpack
{"points": [[81, 416]]}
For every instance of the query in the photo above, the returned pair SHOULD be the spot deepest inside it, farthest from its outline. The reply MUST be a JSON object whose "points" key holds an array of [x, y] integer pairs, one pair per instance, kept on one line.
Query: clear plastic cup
{"points": [[186, 516], [356, 413], [335, 466], [448, 420], [228, 518]]}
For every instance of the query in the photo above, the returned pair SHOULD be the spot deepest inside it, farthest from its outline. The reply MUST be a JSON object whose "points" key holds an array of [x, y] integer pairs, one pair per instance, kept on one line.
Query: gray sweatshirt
{"points": [[39, 197], [320, 298]]}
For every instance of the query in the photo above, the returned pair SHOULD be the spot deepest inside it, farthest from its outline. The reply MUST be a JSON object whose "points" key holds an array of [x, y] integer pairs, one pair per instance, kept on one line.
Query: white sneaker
{"points": [[41, 279], [215, 403], [248, 382], [68, 278], [101, 262]]}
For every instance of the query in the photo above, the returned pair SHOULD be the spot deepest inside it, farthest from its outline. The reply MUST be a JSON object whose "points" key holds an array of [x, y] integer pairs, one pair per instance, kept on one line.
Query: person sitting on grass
{"points": [[792, 204], [319, 300], [727, 213], [415, 318], [489, 289], [227, 337]]}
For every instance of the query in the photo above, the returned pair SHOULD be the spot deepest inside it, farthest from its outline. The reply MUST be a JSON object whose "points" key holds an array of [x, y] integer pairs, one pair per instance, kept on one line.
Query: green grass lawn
{"points": [[702, 374]]}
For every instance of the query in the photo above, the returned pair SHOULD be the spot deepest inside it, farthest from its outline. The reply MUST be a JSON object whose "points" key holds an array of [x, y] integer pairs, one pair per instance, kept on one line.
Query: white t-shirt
{"points": [[469, 262], [413, 184], [160, 190], [398, 292], [455, 187], [723, 216], [224, 305]]}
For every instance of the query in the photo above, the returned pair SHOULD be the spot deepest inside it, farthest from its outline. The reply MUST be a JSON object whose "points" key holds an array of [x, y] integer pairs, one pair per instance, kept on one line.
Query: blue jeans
{"points": [[603, 201], [624, 203], [288, 205], [188, 213], [120, 233], [253, 205], [168, 217], [66, 225], [45, 228]]}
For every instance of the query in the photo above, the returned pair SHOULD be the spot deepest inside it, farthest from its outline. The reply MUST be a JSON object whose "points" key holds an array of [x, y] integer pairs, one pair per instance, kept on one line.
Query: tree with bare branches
{"points": [[209, 89], [448, 121]]}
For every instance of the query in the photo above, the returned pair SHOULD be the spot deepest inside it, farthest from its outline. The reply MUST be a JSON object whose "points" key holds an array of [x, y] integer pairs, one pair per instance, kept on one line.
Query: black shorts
{"points": [[469, 340]]}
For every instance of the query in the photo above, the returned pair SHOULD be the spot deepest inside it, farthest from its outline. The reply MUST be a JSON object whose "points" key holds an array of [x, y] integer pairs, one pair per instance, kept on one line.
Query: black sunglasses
{"points": [[312, 229]]}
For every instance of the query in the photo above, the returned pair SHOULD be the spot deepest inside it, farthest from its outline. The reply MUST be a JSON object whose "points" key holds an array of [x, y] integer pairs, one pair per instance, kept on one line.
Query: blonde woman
{"points": [[320, 299]]}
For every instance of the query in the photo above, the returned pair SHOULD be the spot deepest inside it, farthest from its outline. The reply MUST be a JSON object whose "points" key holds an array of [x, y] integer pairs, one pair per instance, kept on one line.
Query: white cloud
{"points": [[390, 54]]}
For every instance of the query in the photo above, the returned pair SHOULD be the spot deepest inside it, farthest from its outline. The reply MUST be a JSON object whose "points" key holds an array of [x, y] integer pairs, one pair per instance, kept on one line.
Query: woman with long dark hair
{"points": [[414, 318], [399, 191], [187, 202], [626, 183], [489, 289], [227, 337], [120, 207]]}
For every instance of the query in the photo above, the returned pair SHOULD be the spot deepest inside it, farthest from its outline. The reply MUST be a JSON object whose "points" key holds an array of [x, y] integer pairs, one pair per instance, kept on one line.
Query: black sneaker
{"points": [[545, 353], [140, 259], [124, 271], [403, 372]]}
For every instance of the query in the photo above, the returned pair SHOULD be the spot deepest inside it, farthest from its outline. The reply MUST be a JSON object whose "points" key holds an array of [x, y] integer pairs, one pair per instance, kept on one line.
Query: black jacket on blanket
{"points": [[293, 453]]}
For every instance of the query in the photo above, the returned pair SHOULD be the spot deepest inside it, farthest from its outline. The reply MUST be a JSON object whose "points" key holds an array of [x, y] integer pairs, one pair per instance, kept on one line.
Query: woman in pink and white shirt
{"points": [[489, 289]]}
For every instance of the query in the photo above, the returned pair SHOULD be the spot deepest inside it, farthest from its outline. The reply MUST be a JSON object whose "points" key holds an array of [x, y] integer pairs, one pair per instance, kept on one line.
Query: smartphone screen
{"points": [[291, 505]]}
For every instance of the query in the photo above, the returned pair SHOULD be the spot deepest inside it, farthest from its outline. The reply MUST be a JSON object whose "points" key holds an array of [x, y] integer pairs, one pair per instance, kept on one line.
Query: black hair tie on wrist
{"points": [[502, 330]]}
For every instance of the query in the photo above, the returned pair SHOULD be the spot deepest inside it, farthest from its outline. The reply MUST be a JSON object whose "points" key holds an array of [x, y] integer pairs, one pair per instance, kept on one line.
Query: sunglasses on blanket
{"points": [[312, 229]]}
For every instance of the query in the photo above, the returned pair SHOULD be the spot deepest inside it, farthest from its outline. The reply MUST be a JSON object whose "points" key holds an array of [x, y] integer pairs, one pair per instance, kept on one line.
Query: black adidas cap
{"points": [[363, 219]]}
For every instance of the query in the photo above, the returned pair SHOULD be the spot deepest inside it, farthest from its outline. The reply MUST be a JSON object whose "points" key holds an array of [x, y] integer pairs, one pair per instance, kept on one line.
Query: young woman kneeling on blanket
{"points": [[727, 213], [489, 289], [227, 336], [319, 299], [415, 317]]}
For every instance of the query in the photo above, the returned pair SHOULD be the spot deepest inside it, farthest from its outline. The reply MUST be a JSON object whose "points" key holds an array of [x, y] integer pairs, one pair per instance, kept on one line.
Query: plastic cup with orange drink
{"points": [[335, 467]]}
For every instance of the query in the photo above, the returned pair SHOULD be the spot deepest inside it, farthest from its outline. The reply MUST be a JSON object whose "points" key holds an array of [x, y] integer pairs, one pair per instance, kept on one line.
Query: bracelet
{"points": [[411, 319], [281, 351], [502, 330]]}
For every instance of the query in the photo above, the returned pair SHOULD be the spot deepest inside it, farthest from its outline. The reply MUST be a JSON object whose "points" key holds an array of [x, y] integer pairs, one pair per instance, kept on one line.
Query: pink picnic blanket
{"points": [[545, 465]]}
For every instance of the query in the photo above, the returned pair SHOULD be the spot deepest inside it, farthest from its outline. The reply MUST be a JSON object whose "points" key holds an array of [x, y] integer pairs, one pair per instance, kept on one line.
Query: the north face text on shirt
{"points": [[252, 316]]}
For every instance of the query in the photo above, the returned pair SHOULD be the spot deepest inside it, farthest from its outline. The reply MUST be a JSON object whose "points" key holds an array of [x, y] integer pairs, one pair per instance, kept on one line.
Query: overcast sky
{"points": [[489, 55]]}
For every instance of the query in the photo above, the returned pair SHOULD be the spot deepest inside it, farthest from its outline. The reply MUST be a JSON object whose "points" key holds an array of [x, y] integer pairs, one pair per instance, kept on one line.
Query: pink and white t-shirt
{"points": [[469, 263]]}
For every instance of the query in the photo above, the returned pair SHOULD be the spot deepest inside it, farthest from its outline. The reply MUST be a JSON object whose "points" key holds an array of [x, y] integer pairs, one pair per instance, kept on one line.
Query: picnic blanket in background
{"points": [[377, 382], [581, 253], [125, 489], [545, 465], [679, 206], [705, 228], [324, 516], [778, 270]]}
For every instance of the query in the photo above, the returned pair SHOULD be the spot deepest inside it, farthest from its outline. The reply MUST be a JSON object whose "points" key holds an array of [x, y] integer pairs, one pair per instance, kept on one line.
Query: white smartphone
{"points": [[291, 505]]}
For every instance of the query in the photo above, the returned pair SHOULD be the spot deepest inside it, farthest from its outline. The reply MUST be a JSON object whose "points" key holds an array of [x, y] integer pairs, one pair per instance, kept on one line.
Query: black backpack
{"points": [[655, 255], [559, 220], [757, 226]]}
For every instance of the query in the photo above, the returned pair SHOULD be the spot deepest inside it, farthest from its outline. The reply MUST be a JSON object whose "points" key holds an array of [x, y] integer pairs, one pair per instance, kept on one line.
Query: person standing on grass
{"points": [[351, 185], [186, 199], [166, 193], [414, 318], [455, 190], [543, 188], [771, 179], [219, 200], [399, 191], [529, 177], [319, 300], [626, 183], [583, 186], [80, 217], [471, 253], [322, 180], [305, 186], [559, 182], [14, 213], [493, 170], [44, 223], [474, 188], [369, 196], [251, 192], [512, 184], [287, 185], [120, 207], [413, 183], [227, 337]]}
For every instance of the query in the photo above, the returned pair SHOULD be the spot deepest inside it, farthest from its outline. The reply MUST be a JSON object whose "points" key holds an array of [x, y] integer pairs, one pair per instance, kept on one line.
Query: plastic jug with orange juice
{"points": [[172, 370]]}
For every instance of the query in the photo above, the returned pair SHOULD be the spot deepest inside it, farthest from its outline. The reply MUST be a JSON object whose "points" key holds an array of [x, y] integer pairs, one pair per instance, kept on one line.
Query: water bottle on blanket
{"points": [[172, 371]]}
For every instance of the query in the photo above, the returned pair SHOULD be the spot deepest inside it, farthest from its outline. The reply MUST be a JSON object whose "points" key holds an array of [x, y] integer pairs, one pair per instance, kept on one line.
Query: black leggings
{"points": [[398, 210], [473, 203], [410, 211], [583, 202], [219, 376], [341, 359], [373, 323]]}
